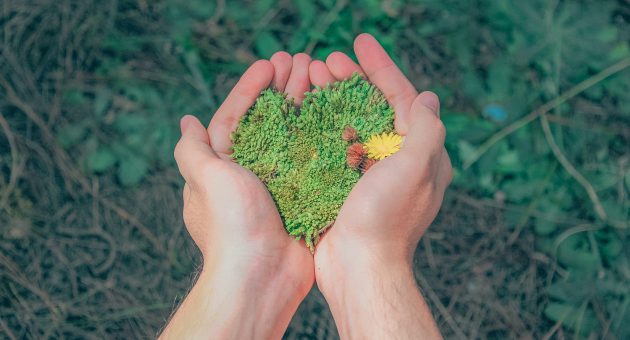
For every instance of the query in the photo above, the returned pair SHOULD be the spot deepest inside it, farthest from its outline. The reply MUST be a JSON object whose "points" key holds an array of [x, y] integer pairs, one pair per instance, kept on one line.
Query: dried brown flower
{"points": [[367, 164], [354, 155], [349, 134]]}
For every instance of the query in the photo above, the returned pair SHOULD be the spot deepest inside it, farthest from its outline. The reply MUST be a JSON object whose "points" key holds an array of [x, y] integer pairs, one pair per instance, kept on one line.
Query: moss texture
{"points": [[300, 154]]}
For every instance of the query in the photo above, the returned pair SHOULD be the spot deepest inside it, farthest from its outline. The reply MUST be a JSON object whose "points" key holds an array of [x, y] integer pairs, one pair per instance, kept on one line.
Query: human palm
{"points": [[228, 211], [254, 274], [394, 202]]}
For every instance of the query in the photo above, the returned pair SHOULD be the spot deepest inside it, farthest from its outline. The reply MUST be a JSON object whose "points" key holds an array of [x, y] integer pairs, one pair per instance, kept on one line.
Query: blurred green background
{"points": [[532, 241]]}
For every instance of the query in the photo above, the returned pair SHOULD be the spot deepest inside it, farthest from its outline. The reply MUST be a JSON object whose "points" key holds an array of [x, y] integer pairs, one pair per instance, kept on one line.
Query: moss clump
{"points": [[301, 156]]}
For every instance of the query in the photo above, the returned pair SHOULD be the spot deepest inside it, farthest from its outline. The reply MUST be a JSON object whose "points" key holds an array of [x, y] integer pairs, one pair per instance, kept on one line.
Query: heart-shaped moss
{"points": [[310, 159]]}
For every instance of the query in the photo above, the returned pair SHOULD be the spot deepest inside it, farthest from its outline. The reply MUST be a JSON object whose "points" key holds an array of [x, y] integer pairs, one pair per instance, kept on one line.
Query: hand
{"points": [[368, 251], [254, 274]]}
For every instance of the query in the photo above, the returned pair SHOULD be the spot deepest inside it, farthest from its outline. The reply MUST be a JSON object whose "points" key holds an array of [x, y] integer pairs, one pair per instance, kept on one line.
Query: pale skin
{"points": [[254, 275]]}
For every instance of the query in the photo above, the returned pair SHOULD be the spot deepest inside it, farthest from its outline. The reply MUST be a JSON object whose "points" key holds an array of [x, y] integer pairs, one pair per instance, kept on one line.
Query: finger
{"points": [[241, 98], [341, 66], [299, 82], [430, 100], [193, 148], [319, 74], [381, 70], [282, 63], [426, 131]]}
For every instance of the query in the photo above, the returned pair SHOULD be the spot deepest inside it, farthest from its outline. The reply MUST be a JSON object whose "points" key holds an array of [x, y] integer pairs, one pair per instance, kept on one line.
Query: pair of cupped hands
{"points": [[248, 255]]}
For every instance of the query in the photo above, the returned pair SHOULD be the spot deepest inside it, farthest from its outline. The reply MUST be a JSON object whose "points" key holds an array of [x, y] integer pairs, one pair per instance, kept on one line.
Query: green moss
{"points": [[300, 155]]}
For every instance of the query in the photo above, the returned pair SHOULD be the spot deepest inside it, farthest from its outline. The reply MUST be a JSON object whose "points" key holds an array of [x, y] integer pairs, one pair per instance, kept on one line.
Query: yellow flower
{"points": [[383, 145]]}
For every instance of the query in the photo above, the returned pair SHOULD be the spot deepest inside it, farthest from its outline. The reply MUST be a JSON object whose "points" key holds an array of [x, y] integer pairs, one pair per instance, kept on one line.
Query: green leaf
{"points": [[101, 160], [74, 97], [574, 318], [627, 180], [466, 150], [517, 190], [572, 290], [267, 44], [609, 245], [509, 162], [544, 244], [620, 51], [132, 170], [574, 252], [307, 11], [544, 227], [297, 42], [607, 34], [131, 122], [71, 134], [102, 102]]}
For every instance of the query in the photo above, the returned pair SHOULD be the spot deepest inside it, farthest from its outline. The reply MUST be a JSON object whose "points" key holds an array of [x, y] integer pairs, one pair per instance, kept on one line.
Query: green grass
{"points": [[289, 152], [533, 236]]}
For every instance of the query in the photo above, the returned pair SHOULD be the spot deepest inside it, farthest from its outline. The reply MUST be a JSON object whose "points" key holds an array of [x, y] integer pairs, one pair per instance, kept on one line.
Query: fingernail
{"points": [[430, 100], [184, 123]]}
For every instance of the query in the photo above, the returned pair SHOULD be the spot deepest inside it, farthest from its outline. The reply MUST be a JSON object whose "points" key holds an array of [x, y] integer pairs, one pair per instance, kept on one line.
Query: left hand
{"points": [[372, 242]]}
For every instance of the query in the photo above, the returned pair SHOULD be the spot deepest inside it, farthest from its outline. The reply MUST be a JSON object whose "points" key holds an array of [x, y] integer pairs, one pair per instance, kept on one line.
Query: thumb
{"points": [[192, 128], [193, 149], [426, 131]]}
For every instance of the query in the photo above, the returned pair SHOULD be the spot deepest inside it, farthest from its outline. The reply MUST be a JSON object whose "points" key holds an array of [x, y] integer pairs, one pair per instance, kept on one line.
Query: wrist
{"points": [[373, 295], [365, 299], [257, 282], [347, 267], [244, 304]]}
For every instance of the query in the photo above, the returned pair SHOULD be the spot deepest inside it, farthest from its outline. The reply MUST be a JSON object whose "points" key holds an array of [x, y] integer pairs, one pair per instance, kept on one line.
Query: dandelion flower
{"points": [[383, 145]]}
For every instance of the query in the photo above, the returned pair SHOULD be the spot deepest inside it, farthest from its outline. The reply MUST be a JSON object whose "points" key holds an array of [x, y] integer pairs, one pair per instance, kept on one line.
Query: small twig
{"points": [[531, 207], [17, 275], [198, 82], [7, 330], [440, 306], [550, 105], [125, 215], [590, 126], [218, 12], [321, 29], [592, 194], [14, 160], [556, 218], [572, 231], [65, 164], [579, 321], [62, 159], [556, 326]]}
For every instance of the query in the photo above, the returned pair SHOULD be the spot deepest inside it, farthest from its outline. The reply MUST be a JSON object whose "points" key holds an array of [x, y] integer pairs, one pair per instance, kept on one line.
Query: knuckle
{"points": [[223, 123], [425, 178], [397, 98], [440, 128], [449, 169], [177, 152]]}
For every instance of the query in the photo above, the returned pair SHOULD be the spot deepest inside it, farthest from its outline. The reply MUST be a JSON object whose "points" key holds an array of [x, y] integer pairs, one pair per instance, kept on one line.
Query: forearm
{"points": [[380, 302], [227, 306]]}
